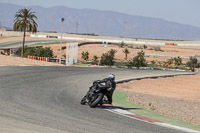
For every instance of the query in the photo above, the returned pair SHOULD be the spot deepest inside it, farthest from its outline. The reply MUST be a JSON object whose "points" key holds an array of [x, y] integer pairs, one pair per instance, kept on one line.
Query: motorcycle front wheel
{"points": [[95, 100]]}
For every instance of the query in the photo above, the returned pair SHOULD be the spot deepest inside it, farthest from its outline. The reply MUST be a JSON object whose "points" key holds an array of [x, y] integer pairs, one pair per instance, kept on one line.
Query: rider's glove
{"points": [[109, 89]]}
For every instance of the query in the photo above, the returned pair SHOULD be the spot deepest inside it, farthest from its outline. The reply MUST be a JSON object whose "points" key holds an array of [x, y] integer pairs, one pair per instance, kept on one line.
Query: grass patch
{"points": [[120, 99], [80, 64]]}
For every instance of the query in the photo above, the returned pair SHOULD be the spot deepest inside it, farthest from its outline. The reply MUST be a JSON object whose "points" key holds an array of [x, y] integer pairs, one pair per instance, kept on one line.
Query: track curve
{"points": [[47, 100]]}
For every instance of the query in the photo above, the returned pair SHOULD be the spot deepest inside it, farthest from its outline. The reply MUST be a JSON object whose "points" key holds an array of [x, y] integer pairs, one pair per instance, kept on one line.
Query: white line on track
{"points": [[147, 120]]}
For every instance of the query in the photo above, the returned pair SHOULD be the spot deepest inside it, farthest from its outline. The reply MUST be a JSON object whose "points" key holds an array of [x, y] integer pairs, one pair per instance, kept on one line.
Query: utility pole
{"points": [[125, 28], [77, 24], [62, 20]]}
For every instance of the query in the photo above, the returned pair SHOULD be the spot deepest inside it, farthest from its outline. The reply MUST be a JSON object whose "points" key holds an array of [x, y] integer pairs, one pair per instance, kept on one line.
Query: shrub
{"points": [[94, 58], [192, 63], [40, 51], [138, 61], [170, 61], [145, 46], [177, 61], [121, 45], [108, 58], [85, 55]]}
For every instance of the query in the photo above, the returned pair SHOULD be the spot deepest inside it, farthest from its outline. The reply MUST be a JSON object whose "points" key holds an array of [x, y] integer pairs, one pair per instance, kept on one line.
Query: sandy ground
{"points": [[177, 97], [17, 61], [96, 49]]}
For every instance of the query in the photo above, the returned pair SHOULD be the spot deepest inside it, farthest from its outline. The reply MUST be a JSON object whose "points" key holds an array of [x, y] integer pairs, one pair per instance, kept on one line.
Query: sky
{"points": [[180, 11]]}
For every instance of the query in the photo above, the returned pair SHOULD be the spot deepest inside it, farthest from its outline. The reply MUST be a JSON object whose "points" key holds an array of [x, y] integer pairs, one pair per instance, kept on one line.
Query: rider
{"points": [[108, 83], [111, 85]]}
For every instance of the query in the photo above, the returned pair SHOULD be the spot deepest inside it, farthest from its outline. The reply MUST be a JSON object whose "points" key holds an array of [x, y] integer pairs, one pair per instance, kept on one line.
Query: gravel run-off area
{"points": [[177, 97]]}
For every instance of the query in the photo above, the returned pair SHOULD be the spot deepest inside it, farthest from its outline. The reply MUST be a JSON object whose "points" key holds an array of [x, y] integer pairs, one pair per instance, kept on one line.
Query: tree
{"points": [[126, 52], [25, 21], [138, 61]]}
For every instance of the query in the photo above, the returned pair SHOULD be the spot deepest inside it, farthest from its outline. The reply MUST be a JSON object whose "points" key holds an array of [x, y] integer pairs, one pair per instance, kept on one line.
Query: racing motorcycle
{"points": [[96, 95]]}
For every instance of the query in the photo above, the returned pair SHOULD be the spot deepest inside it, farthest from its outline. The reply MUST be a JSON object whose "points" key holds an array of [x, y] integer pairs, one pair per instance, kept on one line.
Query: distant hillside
{"points": [[106, 23]]}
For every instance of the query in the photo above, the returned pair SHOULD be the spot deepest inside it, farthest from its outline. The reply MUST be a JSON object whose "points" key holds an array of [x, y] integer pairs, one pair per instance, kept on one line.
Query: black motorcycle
{"points": [[95, 95]]}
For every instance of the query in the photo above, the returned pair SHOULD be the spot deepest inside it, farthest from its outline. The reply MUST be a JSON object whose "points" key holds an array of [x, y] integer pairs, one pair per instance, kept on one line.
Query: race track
{"points": [[47, 100], [17, 44]]}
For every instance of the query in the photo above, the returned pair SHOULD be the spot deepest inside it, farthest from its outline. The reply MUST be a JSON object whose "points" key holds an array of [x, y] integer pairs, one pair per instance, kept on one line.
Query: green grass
{"points": [[4, 43], [120, 99], [80, 64]]}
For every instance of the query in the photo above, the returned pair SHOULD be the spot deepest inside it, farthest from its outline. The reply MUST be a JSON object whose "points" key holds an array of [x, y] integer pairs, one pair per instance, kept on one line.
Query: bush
{"points": [[177, 61], [95, 58], [138, 61], [193, 63], [85, 55], [145, 46], [122, 44], [108, 58], [40, 51]]}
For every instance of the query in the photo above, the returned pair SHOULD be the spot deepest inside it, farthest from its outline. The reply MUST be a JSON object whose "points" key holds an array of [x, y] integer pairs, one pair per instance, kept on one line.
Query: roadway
{"points": [[47, 100], [17, 44]]}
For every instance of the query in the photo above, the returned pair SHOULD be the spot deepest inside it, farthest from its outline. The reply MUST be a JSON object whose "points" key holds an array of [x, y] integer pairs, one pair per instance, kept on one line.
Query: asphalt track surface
{"points": [[47, 100], [19, 43]]}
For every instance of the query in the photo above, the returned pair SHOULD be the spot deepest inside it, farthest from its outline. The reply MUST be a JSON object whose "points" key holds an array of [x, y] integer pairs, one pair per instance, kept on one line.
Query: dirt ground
{"points": [[177, 97], [96, 49], [17, 61]]}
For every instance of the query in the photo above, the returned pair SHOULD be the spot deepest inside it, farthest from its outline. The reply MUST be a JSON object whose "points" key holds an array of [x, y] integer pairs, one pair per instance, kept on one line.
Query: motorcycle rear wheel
{"points": [[94, 102]]}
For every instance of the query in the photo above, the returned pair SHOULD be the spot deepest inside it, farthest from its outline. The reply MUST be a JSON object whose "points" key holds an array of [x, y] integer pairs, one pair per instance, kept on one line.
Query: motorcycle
{"points": [[95, 95]]}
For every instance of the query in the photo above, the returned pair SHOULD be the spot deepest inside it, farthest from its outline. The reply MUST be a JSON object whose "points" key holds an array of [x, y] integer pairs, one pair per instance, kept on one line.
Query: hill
{"points": [[107, 23]]}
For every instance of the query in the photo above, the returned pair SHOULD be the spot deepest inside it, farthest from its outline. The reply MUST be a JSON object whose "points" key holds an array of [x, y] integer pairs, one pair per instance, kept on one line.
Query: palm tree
{"points": [[25, 21], [126, 52]]}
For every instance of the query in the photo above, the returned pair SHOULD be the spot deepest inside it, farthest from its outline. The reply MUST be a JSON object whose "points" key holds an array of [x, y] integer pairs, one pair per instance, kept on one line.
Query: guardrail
{"points": [[47, 59]]}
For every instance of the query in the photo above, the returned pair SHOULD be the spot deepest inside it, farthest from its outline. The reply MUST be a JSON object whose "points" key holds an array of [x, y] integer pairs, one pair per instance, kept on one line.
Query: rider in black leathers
{"points": [[107, 83]]}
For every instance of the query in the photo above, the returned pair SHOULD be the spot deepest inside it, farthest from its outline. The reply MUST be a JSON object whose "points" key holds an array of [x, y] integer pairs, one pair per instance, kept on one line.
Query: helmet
{"points": [[111, 76]]}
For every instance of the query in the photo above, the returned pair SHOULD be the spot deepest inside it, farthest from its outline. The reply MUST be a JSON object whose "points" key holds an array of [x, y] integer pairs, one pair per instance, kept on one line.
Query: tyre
{"points": [[83, 101], [96, 100]]}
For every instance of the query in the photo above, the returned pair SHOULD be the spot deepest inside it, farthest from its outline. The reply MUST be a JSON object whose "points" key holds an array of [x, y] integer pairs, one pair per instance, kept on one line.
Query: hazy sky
{"points": [[181, 11]]}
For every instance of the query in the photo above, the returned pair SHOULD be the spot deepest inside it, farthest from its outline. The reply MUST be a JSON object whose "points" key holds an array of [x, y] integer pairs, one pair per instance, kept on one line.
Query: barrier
{"points": [[28, 35], [169, 44]]}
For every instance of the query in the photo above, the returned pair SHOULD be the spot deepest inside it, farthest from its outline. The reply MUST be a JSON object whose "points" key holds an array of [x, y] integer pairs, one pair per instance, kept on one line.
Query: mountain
{"points": [[107, 23]]}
